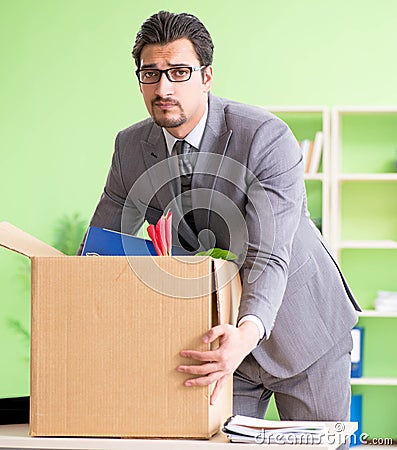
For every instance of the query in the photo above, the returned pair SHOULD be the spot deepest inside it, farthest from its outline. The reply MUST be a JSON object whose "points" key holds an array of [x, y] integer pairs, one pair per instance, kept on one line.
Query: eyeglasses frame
{"points": [[166, 71]]}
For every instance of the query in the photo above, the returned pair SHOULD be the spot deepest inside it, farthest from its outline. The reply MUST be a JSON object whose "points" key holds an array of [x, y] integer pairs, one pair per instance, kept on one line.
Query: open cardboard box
{"points": [[106, 332]]}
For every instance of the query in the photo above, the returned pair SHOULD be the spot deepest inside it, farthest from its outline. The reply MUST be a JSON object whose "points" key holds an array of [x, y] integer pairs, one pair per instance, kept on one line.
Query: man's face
{"points": [[178, 107]]}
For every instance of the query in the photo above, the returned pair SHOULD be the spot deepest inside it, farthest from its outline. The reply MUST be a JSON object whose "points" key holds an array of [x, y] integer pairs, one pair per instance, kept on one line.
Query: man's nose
{"points": [[164, 87]]}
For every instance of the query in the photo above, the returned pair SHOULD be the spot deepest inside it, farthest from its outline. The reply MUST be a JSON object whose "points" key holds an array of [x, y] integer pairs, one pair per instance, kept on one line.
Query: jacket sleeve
{"points": [[275, 198]]}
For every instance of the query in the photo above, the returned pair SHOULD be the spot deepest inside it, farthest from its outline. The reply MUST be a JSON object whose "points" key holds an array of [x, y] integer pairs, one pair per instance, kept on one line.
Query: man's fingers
{"points": [[211, 355], [214, 333], [202, 369], [204, 381], [217, 389], [218, 365]]}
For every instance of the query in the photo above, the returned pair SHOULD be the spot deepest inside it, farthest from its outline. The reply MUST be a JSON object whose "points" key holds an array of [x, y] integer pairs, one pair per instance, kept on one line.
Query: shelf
{"points": [[373, 313], [366, 381], [314, 176], [366, 109], [367, 177], [296, 109], [386, 244]]}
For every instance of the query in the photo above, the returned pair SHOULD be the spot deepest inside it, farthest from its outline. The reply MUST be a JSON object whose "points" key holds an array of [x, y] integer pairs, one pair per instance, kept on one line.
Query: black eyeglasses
{"points": [[174, 74]]}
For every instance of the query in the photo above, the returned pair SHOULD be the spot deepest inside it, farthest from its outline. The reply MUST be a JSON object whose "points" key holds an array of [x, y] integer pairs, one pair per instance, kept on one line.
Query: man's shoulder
{"points": [[141, 129], [245, 111]]}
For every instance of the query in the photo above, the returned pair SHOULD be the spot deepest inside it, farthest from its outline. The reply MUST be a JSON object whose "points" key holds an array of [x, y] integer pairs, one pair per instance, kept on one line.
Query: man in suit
{"points": [[233, 176]]}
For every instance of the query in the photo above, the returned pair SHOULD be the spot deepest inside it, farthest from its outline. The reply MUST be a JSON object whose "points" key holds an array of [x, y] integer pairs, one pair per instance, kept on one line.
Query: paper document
{"points": [[262, 431]]}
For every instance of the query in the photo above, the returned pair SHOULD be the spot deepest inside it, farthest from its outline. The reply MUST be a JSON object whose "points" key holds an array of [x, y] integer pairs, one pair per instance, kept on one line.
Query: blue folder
{"points": [[102, 242], [356, 407]]}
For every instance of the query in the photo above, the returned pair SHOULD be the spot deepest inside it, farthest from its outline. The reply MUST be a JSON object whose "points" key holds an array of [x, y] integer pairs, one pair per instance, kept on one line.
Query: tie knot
{"points": [[180, 147], [186, 157]]}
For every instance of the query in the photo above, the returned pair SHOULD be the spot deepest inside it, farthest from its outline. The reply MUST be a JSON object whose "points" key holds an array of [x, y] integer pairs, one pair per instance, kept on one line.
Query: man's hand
{"points": [[218, 365]]}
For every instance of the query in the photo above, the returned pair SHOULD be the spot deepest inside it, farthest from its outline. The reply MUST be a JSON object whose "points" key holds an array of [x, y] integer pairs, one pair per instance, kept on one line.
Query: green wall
{"points": [[67, 86]]}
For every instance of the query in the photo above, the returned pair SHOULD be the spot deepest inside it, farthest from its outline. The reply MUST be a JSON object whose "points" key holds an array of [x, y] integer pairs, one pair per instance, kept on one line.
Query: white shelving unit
{"points": [[338, 177], [372, 133], [324, 176]]}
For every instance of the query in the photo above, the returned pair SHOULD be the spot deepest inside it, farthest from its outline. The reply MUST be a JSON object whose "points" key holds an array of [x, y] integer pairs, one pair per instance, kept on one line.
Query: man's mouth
{"points": [[165, 105]]}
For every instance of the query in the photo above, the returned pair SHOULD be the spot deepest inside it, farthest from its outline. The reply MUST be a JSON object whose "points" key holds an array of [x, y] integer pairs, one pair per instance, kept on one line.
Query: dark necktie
{"points": [[186, 159]]}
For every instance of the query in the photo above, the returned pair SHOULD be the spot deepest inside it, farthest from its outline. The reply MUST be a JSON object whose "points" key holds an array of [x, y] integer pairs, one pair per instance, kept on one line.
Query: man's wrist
{"points": [[254, 319], [250, 336]]}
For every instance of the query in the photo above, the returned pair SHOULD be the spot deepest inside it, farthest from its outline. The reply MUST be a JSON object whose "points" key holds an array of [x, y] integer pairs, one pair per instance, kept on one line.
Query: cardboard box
{"points": [[106, 333]]}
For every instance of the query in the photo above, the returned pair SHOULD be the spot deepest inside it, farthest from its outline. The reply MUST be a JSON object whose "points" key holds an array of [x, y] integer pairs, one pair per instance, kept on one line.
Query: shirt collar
{"points": [[193, 138]]}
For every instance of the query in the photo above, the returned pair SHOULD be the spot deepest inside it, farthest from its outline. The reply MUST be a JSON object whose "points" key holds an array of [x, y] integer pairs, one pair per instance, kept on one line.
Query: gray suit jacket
{"points": [[248, 190]]}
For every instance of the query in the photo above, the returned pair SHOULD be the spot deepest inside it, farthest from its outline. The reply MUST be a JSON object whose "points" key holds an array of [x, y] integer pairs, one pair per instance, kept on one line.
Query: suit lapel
{"points": [[154, 152], [215, 142]]}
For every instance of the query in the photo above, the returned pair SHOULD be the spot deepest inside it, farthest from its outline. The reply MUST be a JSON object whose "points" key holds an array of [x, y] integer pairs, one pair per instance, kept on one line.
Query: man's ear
{"points": [[207, 78]]}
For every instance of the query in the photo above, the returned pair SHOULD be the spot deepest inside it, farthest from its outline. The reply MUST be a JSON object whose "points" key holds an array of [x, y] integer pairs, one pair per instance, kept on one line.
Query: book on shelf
{"points": [[307, 151], [317, 151], [311, 152], [357, 352], [246, 429], [305, 146]]}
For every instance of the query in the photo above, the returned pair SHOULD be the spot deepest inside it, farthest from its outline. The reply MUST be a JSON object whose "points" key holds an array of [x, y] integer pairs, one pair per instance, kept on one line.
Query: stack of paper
{"points": [[386, 301], [245, 429]]}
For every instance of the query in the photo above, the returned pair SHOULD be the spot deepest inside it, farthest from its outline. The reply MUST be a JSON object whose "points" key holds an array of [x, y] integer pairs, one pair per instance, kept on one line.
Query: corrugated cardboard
{"points": [[105, 345]]}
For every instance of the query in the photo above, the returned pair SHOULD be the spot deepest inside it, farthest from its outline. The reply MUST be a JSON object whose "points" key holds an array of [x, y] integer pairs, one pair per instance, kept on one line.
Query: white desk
{"points": [[17, 436]]}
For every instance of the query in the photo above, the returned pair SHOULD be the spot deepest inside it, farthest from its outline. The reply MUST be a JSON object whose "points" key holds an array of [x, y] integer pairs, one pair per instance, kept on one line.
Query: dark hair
{"points": [[165, 27]]}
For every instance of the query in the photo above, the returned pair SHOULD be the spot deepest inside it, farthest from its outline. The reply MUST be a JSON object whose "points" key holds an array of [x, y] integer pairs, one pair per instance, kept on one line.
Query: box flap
{"points": [[228, 285], [17, 240]]}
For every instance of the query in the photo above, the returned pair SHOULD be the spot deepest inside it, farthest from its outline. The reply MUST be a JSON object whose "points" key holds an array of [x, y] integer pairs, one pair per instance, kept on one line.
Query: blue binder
{"points": [[102, 242], [357, 352], [356, 411]]}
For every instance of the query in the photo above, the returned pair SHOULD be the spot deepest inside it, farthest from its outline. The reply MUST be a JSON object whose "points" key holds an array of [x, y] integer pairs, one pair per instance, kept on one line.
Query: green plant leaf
{"points": [[19, 328], [69, 233], [23, 274], [218, 253]]}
